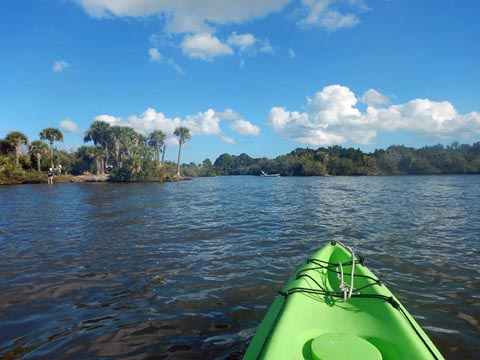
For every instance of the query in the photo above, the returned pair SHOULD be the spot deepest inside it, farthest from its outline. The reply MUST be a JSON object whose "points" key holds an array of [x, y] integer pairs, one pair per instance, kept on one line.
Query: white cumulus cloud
{"points": [[238, 124], [197, 16], [60, 65], [70, 126], [372, 97], [186, 15], [191, 24], [242, 41], [207, 123], [204, 46], [112, 120], [203, 123], [228, 140], [245, 127], [431, 118], [331, 117]]}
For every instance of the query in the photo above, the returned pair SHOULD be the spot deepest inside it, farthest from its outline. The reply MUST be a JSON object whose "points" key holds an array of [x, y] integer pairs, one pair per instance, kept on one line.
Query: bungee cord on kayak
{"points": [[346, 291], [370, 323]]}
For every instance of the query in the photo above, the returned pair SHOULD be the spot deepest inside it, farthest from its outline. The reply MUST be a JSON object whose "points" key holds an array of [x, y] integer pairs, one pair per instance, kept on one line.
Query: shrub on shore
{"points": [[11, 175]]}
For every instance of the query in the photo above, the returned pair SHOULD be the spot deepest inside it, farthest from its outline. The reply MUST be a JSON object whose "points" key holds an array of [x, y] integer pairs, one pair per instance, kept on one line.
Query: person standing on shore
{"points": [[50, 176]]}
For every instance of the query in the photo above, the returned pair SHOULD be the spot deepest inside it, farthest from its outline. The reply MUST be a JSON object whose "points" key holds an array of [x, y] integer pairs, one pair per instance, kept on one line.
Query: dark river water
{"points": [[187, 270]]}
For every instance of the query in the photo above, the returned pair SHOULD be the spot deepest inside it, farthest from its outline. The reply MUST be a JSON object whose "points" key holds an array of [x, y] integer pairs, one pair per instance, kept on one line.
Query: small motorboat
{"points": [[263, 173]]}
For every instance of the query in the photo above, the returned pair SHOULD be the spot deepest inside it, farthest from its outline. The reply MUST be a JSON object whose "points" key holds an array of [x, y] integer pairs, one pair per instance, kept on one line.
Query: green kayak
{"points": [[335, 308]]}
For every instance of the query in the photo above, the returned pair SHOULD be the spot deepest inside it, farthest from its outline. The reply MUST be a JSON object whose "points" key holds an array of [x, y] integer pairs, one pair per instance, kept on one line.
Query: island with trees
{"points": [[121, 154], [118, 154], [336, 160]]}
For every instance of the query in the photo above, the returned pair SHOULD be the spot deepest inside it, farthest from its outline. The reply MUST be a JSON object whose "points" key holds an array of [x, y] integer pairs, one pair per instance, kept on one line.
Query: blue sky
{"points": [[260, 77]]}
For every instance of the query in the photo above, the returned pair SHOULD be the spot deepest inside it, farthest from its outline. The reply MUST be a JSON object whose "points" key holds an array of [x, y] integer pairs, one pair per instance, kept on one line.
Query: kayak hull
{"points": [[310, 319]]}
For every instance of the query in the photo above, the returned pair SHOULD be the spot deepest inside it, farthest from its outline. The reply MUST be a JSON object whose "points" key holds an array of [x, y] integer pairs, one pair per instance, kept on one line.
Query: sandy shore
{"points": [[90, 178], [60, 179]]}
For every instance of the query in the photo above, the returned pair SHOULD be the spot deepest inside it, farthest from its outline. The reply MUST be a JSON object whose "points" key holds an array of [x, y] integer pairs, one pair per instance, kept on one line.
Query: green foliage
{"points": [[51, 134], [14, 140], [137, 170], [207, 168], [183, 135], [224, 165], [122, 174], [133, 156], [336, 160], [38, 151], [137, 158], [156, 140], [66, 159], [11, 173]]}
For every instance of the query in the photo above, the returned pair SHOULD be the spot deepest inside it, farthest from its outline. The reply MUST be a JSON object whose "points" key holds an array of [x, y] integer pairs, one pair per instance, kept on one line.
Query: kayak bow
{"points": [[335, 308]]}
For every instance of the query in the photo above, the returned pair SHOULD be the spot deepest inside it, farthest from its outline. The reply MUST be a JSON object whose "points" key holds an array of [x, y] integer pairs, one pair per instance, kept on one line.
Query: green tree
{"points": [[183, 135], [156, 140], [5, 147], [15, 139], [84, 160], [97, 154], [224, 164], [52, 135], [39, 150], [164, 150], [133, 144], [99, 132], [128, 146], [116, 133]]}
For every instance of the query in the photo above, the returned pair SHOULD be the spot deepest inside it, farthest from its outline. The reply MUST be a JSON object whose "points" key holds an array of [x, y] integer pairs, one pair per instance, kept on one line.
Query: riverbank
{"points": [[41, 178], [86, 177]]}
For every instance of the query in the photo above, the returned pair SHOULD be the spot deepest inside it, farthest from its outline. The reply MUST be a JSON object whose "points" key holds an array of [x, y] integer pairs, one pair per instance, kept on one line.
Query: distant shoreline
{"points": [[91, 178], [105, 178]]}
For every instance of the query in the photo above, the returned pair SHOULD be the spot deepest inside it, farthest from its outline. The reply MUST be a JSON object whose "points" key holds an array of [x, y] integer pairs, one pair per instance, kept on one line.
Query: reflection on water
{"points": [[187, 270]]}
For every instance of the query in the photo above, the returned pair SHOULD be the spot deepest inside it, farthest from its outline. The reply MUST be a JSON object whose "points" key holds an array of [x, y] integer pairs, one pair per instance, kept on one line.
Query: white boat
{"points": [[263, 173]]}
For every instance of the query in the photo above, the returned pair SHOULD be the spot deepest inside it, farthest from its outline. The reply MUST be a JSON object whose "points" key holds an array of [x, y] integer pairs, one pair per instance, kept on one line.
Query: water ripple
{"points": [[188, 269]]}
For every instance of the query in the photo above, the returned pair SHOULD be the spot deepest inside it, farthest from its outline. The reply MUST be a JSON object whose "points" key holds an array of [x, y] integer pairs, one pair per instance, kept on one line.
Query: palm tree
{"points": [[115, 140], [51, 134], [164, 150], [39, 149], [156, 140], [125, 142], [97, 153], [130, 142], [15, 139], [99, 132], [183, 135]]}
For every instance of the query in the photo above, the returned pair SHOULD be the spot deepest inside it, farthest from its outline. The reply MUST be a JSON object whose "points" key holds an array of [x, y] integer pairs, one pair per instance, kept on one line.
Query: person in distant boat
{"points": [[50, 176]]}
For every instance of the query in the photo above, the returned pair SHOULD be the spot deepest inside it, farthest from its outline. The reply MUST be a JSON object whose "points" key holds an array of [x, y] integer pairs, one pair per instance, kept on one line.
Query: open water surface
{"points": [[187, 270]]}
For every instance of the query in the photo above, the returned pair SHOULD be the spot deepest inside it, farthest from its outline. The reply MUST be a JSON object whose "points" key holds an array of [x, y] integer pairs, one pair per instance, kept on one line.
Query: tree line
{"points": [[119, 150], [128, 152], [336, 160], [130, 156]]}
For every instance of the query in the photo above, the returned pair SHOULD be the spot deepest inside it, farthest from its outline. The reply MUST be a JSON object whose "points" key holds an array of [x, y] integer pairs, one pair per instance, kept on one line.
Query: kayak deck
{"points": [[311, 319]]}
